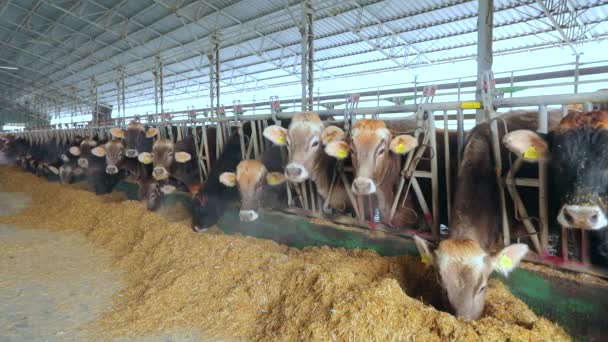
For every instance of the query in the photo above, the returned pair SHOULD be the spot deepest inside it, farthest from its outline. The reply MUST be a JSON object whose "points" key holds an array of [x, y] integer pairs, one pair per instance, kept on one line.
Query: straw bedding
{"points": [[241, 288]]}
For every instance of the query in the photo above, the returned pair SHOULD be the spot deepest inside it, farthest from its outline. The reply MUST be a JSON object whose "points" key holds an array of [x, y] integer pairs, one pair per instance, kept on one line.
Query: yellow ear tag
{"points": [[505, 262], [400, 148], [281, 139], [342, 153], [531, 153], [425, 259], [273, 179], [147, 159]]}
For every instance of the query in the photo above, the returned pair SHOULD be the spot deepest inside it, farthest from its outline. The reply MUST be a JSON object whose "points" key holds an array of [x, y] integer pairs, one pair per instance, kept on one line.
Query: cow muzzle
{"points": [[83, 163], [363, 186], [160, 173], [296, 173], [248, 215], [582, 217], [131, 153], [111, 169]]}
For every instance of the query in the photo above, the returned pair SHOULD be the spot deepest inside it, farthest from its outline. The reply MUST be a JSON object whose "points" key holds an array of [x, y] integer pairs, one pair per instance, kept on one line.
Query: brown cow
{"points": [[465, 260], [252, 179], [113, 152], [305, 139], [377, 161]]}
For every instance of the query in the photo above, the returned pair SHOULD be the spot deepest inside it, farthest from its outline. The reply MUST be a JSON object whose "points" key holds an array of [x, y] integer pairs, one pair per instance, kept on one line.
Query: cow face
{"points": [[463, 268], [152, 193], [113, 152], [137, 138], [85, 148], [162, 158], [371, 145], [578, 158], [251, 177], [304, 139]]}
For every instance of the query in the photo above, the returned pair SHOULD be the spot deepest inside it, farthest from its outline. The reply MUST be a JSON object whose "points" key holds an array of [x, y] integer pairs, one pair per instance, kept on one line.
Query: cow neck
{"points": [[385, 186], [475, 209], [322, 176]]}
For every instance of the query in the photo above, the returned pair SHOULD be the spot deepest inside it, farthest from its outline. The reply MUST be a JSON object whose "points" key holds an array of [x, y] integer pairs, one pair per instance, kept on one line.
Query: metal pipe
{"points": [[446, 153], [485, 22], [434, 173]]}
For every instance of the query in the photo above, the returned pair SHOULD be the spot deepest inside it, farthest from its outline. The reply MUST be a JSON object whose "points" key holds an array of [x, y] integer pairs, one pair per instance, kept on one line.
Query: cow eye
{"points": [[315, 143], [381, 151], [482, 289]]}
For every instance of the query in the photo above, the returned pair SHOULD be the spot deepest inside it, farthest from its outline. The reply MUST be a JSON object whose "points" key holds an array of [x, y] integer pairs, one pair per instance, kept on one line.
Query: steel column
{"points": [[307, 76], [485, 22]]}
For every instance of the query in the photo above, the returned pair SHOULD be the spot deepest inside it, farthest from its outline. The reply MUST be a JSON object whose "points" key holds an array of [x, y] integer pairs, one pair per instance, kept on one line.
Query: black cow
{"points": [[577, 152]]}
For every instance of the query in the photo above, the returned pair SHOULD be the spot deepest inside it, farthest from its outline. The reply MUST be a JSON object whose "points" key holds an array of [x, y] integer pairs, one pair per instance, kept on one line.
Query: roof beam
{"points": [[556, 25]]}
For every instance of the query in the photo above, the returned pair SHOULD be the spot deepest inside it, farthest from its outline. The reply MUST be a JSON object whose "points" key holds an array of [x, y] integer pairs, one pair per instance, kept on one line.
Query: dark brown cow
{"points": [[465, 260]]}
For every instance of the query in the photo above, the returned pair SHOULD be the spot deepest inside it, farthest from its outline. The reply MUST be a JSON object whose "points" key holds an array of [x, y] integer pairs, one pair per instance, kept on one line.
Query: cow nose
{"points": [[131, 153], [582, 217], [111, 169], [293, 171], [363, 186], [82, 162], [248, 215], [159, 173]]}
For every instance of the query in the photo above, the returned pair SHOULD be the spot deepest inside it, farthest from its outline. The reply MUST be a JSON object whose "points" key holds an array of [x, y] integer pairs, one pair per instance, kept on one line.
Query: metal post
{"points": [[576, 72], [542, 184], [93, 93], [485, 21], [214, 92], [307, 77], [446, 153]]}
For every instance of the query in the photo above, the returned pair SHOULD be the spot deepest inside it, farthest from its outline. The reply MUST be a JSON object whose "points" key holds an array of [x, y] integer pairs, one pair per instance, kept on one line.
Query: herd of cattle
{"points": [[576, 149]]}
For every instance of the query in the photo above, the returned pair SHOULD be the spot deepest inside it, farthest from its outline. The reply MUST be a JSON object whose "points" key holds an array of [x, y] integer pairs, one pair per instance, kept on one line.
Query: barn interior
{"points": [[111, 248]]}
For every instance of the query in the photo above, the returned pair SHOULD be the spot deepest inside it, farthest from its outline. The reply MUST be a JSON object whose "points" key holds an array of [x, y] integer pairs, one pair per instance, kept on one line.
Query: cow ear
{"points": [[403, 143], [182, 157], [332, 133], [75, 151], [426, 254], [275, 178], [276, 134], [98, 151], [145, 158], [507, 260], [228, 179], [337, 149], [527, 144], [117, 132], [167, 189], [151, 132]]}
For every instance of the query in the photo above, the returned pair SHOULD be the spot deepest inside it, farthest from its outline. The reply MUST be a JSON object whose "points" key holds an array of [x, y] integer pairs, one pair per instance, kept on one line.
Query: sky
{"points": [[593, 54]]}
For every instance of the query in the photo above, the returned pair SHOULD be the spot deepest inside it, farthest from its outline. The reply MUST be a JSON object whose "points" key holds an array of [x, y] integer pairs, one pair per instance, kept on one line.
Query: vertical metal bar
{"points": [[576, 72], [460, 132], [446, 153], [304, 52], [311, 50], [485, 21], [542, 184], [434, 175]]}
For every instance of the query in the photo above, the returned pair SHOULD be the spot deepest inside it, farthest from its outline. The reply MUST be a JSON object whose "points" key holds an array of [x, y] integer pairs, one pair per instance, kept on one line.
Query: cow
{"points": [[257, 182], [137, 138], [113, 152], [178, 160], [464, 261], [213, 198], [305, 139], [577, 154], [376, 151], [95, 166]]}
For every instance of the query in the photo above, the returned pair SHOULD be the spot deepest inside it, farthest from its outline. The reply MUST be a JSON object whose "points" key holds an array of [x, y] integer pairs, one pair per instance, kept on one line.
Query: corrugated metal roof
{"points": [[60, 46]]}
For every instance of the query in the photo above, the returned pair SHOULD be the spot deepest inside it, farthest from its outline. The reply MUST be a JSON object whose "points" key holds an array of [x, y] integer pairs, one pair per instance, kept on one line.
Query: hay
{"points": [[235, 287]]}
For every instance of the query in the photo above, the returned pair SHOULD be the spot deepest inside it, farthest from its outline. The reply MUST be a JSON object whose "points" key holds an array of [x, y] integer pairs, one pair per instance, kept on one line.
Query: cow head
{"points": [[137, 138], [152, 193], [304, 139], [578, 155], [463, 268], [371, 147], [162, 158], [85, 148], [251, 177], [113, 152]]}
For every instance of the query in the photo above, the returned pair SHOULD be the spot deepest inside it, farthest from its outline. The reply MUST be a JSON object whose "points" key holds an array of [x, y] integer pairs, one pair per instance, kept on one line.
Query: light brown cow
{"points": [[252, 178], [376, 157], [113, 152], [305, 139]]}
